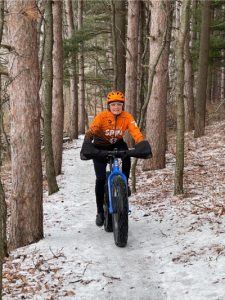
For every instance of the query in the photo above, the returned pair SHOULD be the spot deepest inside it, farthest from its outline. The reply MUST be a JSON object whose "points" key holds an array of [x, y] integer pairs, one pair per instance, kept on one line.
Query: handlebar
{"points": [[141, 150], [117, 153], [132, 152]]}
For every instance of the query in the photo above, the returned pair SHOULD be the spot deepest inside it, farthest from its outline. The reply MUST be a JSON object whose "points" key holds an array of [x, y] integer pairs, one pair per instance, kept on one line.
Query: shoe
{"points": [[128, 191], [99, 219]]}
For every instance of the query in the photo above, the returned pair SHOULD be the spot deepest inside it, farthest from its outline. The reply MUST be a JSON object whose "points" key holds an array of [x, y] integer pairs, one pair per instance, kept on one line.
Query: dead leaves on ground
{"points": [[30, 274], [204, 178], [211, 253]]}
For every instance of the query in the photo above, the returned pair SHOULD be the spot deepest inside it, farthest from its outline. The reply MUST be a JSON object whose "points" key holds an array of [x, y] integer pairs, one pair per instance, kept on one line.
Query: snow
{"points": [[176, 245]]}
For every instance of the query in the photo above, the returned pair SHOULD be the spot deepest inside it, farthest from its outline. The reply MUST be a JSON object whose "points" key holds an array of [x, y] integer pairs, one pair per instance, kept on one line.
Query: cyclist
{"points": [[106, 133]]}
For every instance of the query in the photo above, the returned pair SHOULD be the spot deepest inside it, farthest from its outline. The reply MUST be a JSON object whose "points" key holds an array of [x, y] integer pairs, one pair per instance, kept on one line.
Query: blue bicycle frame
{"points": [[115, 171]]}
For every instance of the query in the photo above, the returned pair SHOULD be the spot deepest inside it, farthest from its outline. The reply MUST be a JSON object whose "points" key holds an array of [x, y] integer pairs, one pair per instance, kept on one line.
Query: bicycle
{"points": [[116, 200], [116, 207]]}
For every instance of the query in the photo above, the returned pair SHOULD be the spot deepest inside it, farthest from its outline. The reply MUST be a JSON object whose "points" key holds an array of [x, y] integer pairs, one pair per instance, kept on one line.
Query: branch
{"points": [[200, 206]]}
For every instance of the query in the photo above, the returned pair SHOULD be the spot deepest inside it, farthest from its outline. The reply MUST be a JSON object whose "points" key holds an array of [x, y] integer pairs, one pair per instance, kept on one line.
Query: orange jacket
{"points": [[107, 128]]}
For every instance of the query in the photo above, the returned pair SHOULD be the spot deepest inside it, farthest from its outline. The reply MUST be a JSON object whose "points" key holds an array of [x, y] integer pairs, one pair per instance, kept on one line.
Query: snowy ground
{"points": [[176, 245]]}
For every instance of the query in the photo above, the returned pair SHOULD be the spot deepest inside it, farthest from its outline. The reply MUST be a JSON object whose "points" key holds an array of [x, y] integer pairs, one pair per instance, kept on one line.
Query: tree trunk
{"points": [[26, 224], [222, 79], [143, 53], [156, 113], [216, 85], [81, 73], [58, 105], [188, 86], [132, 56], [3, 205], [48, 83], [209, 85], [151, 73], [2, 198], [73, 76], [200, 109], [119, 51], [2, 195], [178, 189], [132, 60]]}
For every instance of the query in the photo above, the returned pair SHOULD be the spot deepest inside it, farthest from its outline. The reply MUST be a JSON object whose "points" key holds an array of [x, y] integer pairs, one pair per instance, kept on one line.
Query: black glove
{"points": [[88, 150], [143, 150]]}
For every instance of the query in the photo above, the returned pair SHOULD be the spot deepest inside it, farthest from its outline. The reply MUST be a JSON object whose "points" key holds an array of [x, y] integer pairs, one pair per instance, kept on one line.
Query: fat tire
{"points": [[120, 211], [107, 216]]}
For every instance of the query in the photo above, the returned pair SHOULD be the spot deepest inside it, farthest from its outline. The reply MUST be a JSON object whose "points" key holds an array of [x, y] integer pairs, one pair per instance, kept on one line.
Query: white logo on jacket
{"points": [[111, 132]]}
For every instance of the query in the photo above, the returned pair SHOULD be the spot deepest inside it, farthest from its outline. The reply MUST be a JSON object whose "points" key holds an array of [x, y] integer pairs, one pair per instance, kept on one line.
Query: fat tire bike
{"points": [[116, 208]]}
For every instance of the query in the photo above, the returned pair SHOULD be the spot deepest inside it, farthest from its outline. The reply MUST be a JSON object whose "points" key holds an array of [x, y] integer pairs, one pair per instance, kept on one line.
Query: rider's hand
{"points": [[88, 150], [143, 150]]}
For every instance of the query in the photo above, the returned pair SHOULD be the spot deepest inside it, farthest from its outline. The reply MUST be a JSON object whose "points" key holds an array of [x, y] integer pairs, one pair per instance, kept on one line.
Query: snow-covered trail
{"points": [[108, 272], [77, 259]]}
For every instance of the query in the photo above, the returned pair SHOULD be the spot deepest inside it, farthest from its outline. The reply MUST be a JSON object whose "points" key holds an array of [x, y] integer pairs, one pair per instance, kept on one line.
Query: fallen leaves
{"points": [[39, 274]]}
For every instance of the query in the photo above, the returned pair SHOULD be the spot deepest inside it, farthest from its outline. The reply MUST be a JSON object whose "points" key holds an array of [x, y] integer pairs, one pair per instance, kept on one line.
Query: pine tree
{"points": [[26, 200]]}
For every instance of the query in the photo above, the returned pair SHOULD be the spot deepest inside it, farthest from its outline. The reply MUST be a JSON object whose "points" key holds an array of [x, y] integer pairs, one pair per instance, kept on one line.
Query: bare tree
{"points": [[2, 231], [81, 72], [132, 59], [200, 107], [2, 194], [188, 86], [26, 223], [119, 51], [57, 105], [132, 56], [151, 73], [48, 83], [156, 113], [73, 76], [179, 53]]}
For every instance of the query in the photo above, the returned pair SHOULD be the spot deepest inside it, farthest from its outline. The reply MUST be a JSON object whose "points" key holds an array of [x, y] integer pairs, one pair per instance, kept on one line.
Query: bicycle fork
{"points": [[115, 172]]}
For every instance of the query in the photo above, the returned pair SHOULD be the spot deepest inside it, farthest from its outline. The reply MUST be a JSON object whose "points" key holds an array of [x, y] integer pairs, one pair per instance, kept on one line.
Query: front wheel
{"points": [[107, 216], [120, 211]]}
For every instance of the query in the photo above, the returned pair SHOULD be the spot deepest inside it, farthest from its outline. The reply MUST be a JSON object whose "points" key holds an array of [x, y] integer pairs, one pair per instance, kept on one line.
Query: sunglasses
{"points": [[116, 104]]}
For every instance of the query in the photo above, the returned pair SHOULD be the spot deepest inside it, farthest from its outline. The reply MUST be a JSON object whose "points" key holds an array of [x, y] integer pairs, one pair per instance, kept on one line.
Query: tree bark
{"points": [[156, 112], [216, 85], [48, 83], [81, 73], [179, 53], [132, 56], [26, 223], [73, 76], [58, 105], [188, 86], [200, 109], [222, 79], [143, 53], [2, 199], [132, 60], [119, 51], [2, 195]]}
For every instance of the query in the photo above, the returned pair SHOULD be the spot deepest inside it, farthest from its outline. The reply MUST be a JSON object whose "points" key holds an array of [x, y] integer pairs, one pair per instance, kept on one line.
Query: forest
{"points": [[58, 61]]}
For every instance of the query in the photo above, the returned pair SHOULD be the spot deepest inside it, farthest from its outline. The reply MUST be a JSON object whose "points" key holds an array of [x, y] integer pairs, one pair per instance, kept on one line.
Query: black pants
{"points": [[100, 172]]}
